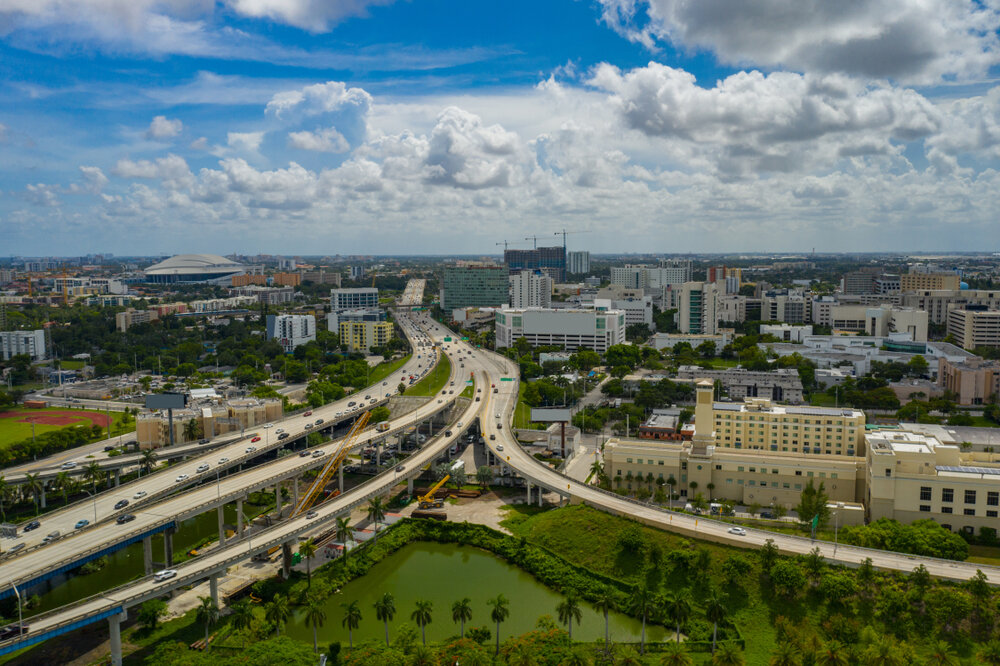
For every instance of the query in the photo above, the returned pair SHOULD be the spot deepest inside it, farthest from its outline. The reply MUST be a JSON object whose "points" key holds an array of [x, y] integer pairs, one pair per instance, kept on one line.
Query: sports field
{"points": [[15, 423]]}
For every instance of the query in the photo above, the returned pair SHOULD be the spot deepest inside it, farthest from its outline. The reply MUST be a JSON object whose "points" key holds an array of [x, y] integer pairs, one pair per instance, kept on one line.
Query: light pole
{"points": [[94, 495], [836, 525], [20, 619]]}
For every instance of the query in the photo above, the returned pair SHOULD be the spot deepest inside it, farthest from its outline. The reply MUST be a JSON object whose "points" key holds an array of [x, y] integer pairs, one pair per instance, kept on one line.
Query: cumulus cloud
{"points": [[919, 41], [327, 140], [329, 97], [163, 128], [462, 152], [244, 141], [311, 15]]}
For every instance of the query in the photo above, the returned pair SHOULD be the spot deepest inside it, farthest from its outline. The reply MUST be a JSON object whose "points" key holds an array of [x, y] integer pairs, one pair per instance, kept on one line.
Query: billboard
{"points": [[550, 415], [166, 401]]}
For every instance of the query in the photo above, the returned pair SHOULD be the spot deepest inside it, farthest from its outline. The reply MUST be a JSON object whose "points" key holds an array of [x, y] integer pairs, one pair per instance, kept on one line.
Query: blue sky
{"points": [[353, 126]]}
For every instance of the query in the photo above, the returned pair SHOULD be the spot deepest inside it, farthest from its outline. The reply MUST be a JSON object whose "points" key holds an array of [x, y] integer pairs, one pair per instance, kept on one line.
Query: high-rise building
{"points": [[530, 289], [353, 299], [550, 260], [630, 276], [573, 329], [861, 281], [639, 276], [697, 311], [973, 328], [32, 343], [929, 281], [361, 336], [478, 286], [578, 262], [291, 330]]}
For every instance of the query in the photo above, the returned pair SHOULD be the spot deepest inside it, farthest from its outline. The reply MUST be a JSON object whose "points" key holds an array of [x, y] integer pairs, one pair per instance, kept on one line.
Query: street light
{"points": [[94, 495], [20, 619], [836, 524]]}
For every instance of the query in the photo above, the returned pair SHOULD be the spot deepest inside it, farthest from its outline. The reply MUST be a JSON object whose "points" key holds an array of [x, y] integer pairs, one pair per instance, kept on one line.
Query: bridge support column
{"points": [[239, 517], [540, 490], [222, 525], [147, 555], [340, 479], [286, 559], [168, 547], [528, 486], [114, 625], [213, 586], [118, 477], [409, 486], [295, 492], [277, 499], [43, 495]]}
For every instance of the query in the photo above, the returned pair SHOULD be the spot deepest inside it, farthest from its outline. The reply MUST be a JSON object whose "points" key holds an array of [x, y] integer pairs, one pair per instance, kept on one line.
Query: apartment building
{"points": [[782, 385], [785, 306], [975, 380], [15, 343], [364, 314], [130, 317], [291, 330], [477, 286], [267, 295], [530, 289], [928, 281], [641, 276], [971, 328], [353, 299], [697, 311], [590, 329], [549, 260], [732, 308], [322, 276], [361, 336], [578, 262]]}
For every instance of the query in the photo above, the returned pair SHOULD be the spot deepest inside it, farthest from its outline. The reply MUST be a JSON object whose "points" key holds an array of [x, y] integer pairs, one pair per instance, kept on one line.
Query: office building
{"points": [[15, 343], [322, 276], [637, 309], [574, 329], [130, 317], [267, 295], [732, 308], [721, 338], [549, 260], [362, 314], [530, 289], [353, 299], [928, 281], [974, 380], [357, 272], [887, 284], [286, 279], [972, 327], [578, 263], [758, 423], [787, 332], [697, 308], [641, 276], [246, 279], [786, 306], [630, 276], [212, 416], [291, 330], [937, 303], [479, 285], [861, 281], [783, 385], [879, 321], [362, 336], [7, 276]]}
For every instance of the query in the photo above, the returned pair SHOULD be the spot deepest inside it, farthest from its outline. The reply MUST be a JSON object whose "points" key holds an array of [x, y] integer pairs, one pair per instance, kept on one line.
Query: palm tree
{"points": [[344, 532], [597, 469], [521, 656], [385, 610], [33, 486], [940, 655], [422, 616], [569, 610], [641, 603], [315, 616], [148, 460], [62, 483], [715, 612], [376, 513], [499, 614], [422, 656], [93, 474], [833, 653], [728, 655], [192, 430], [208, 613], [242, 614], [786, 655], [678, 608], [277, 612], [352, 618], [607, 599], [627, 657], [484, 476], [461, 611], [883, 652], [675, 654], [990, 654], [307, 549]]}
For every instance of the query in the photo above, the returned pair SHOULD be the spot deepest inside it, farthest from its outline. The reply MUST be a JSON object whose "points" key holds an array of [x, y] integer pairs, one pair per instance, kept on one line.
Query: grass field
{"points": [[433, 382], [383, 370], [14, 430]]}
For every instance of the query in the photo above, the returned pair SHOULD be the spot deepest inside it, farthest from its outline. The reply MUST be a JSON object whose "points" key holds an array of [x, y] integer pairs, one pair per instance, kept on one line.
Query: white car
{"points": [[223, 461], [738, 531], [499, 447], [318, 454], [202, 468], [166, 574], [250, 449], [181, 477], [68, 465], [279, 431], [139, 495], [268, 425], [458, 425]]}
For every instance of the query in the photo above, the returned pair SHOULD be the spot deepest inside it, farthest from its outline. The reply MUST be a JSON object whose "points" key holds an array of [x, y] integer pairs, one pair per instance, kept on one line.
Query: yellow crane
{"points": [[324, 477], [427, 501]]}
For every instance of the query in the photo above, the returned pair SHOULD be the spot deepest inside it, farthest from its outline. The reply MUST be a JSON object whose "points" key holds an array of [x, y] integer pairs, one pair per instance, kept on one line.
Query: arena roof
{"points": [[195, 264]]}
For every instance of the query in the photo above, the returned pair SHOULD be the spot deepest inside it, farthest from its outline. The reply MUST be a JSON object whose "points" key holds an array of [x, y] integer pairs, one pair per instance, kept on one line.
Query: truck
{"points": [[382, 426]]}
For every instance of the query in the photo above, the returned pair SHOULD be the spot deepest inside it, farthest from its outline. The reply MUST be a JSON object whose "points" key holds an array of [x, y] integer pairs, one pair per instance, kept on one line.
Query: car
{"points": [[282, 436], [738, 531], [121, 504], [308, 413], [125, 518], [492, 437], [33, 525], [202, 468], [309, 426], [318, 454], [68, 465], [181, 477], [499, 447], [367, 397], [81, 523], [451, 393], [203, 440], [458, 425], [311, 515], [223, 461], [477, 398], [250, 449], [319, 421], [440, 401], [447, 433], [165, 574], [51, 536], [497, 414], [255, 439], [12, 630], [444, 392], [304, 454], [351, 403], [400, 468], [139, 495], [16, 547], [268, 425], [279, 431], [499, 426], [108, 448], [496, 390]]}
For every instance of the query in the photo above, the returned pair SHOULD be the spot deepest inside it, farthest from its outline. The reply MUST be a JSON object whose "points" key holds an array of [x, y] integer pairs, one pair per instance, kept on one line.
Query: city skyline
{"points": [[285, 126]]}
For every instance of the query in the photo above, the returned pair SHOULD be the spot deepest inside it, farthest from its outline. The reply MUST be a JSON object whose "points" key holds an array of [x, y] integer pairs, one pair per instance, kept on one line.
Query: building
{"points": [[662, 424], [641, 276], [15, 343], [861, 281], [630, 276], [530, 289], [758, 423], [638, 310], [785, 306], [937, 303], [975, 381], [358, 298], [362, 314], [578, 262], [7, 275], [879, 321], [782, 385], [130, 317], [213, 418], [287, 279], [361, 336], [478, 286], [322, 276], [667, 340], [574, 329], [928, 281], [267, 295], [697, 308], [291, 330], [249, 278], [194, 268], [549, 260], [787, 332], [357, 272], [887, 284], [971, 328]]}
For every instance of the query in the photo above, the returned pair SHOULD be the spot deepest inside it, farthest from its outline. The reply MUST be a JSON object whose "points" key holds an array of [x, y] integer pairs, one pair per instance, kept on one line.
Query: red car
{"points": [[255, 439], [308, 414]]}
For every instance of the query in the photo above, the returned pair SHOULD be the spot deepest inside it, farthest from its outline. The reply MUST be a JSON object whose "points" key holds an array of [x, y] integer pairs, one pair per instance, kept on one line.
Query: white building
{"points": [[787, 332], [637, 310], [530, 289], [697, 308], [353, 299], [641, 276], [32, 343], [591, 329], [291, 330], [366, 314], [578, 262]]}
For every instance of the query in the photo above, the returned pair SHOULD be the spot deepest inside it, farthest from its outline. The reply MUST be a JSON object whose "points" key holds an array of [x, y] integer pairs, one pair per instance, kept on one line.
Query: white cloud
{"points": [[329, 97], [94, 178], [311, 15], [244, 141], [327, 140], [163, 128], [201, 143], [921, 41]]}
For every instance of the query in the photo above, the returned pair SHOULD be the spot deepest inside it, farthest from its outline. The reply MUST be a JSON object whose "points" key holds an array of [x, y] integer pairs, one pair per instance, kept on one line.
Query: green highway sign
{"points": [[506, 379]]}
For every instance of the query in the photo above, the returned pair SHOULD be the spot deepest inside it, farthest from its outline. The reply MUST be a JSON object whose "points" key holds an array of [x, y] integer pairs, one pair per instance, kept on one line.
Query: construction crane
{"points": [[564, 233], [534, 239], [427, 501], [324, 477]]}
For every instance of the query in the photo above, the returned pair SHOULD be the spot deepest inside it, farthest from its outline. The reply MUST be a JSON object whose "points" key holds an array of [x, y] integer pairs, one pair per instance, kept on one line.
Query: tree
{"points": [[832, 653], [343, 532], [786, 655], [990, 654], [33, 485], [401, 389], [207, 612], [677, 606], [484, 475], [768, 554], [728, 655], [315, 615], [675, 654], [4, 489], [385, 610], [569, 610], [192, 430], [242, 617], [376, 513], [422, 616], [813, 504], [642, 601], [148, 460], [150, 613], [918, 366], [499, 611], [307, 549], [715, 612], [461, 611], [277, 612], [62, 483], [787, 577], [940, 655], [607, 599], [94, 474], [351, 620]]}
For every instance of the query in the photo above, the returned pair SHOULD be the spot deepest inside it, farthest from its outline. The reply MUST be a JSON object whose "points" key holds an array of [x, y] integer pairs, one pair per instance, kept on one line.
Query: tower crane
{"points": [[564, 233], [534, 239]]}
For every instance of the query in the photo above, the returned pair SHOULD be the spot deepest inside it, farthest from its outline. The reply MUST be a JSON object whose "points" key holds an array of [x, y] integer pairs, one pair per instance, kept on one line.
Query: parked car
{"points": [[121, 504], [33, 525], [125, 518], [166, 574]]}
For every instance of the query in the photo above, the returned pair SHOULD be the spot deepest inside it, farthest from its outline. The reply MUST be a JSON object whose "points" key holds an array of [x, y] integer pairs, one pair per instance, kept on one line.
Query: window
{"points": [[991, 514], [970, 496], [947, 494], [946, 509], [660, 463], [628, 460], [970, 512], [638, 461], [925, 508], [993, 498], [718, 467], [888, 473], [798, 472], [618, 472], [925, 494]]}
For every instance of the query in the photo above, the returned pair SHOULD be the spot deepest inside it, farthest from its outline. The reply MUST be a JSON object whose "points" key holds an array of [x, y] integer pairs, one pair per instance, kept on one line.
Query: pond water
{"points": [[445, 573]]}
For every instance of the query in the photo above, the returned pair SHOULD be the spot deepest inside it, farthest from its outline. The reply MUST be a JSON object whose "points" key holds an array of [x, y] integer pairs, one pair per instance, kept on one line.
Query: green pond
{"points": [[445, 573]]}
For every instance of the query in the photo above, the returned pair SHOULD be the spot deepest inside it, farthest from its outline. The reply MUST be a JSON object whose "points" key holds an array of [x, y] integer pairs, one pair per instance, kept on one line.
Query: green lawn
{"points": [[72, 365], [383, 370], [434, 381], [12, 430], [469, 392], [522, 413]]}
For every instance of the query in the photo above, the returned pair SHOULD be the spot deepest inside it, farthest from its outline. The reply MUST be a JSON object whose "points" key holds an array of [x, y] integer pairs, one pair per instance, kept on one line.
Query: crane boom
{"points": [[332, 465], [428, 498]]}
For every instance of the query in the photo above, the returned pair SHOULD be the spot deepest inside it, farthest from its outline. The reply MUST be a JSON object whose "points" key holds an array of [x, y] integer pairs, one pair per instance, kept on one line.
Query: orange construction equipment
{"points": [[428, 501], [317, 487]]}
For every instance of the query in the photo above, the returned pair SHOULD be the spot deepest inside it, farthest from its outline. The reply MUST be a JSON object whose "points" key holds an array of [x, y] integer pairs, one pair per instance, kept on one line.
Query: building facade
{"points": [[927, 281], [975, 381], [758, 423], [549, 260], [974, 328], [530, 289], [353, 299], [578, 262], [782, 385], [787, 332], [291, 330], [574, 329], [938, 303], [697, 308], [15, 343], [361, 336], [474, 286]]}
